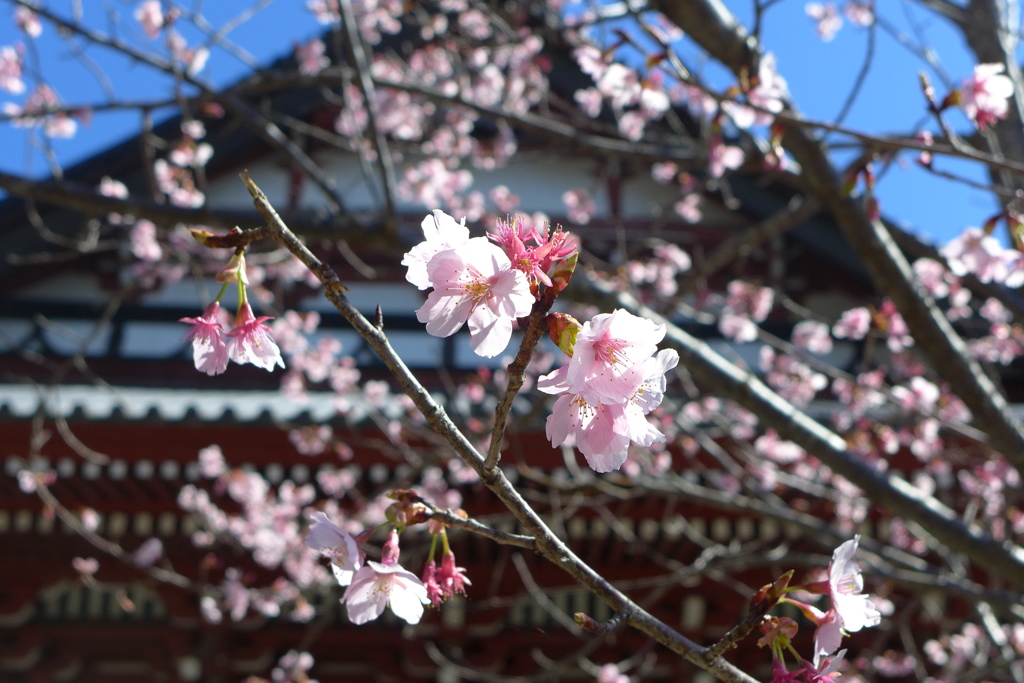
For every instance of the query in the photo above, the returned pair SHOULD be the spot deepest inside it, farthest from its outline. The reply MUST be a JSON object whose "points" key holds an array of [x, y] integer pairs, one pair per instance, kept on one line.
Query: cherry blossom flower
{"points": [[333, 542], [28, 21], [144, 244], [579, 205], [826, 18], [688, 208], [813, 336], [207, 336], [769, 93], [603, 432], [827, 671], [746, 305], [441, 232], [663, 172], [860, 12], [925, 157], [983, 96], [148, 553], [312, 57], [452, 579], [377, 585], [631, 125], [151, 18], [86, 566], [35, 113], [853, 324], [476, 283], [721, 157], [10, 70], [251, 341], [435, 593], [845, 585], [610, 673], [977, 253], [590, 101], [325, 11], [607, 362]]}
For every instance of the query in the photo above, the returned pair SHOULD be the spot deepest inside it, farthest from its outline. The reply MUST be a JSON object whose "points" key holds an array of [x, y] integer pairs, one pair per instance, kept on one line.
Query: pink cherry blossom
{"points": [[151, 18], [28, 21], [853, 324], [606, 365], [452, 579], [476, 283], [10, 70], [325, 11], [435, 593], [722, 157], [826, 671], [745, 305], [860, 12], [144, 244], [376, 586], [580, 206], [829, 634], [603, 432], [590, 101], [813, 336], [209, 350], [768, 94], [333, 542], [845, 586], [312, 57], [983, 96], [977, 253], [535, 259], [826, 18], [610, 674], [441, 232], [42, 100], [251, 341]]}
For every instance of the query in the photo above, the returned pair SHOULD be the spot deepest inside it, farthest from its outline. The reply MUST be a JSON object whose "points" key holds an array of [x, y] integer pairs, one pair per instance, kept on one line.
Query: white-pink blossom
{"points": [[745, 305], [606, 365], [977, 253], [312, 57], [579, 205], [207, 336], [333, 542], [250, 341], [151, 18], [826, 19], [602, 431], [812, 336], [376, 586], [845, 589], [722, 157], [440, 232], [984, 95], [10, 70], [476, 283], [28, 21]]}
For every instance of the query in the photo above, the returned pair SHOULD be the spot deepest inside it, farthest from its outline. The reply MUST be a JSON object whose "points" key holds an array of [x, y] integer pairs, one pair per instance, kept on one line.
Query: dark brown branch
{"points": [[726, 41], [547, 543], [895, 493]]}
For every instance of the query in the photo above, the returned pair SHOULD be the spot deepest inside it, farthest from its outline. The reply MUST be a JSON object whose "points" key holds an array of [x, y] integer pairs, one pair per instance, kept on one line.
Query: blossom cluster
{"points": [[614, 377], [249, 341], [850, 610], [487, 283]]}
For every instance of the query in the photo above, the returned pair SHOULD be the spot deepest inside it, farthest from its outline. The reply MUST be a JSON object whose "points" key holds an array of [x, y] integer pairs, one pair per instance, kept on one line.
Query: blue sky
{"points": [[819, 74]]}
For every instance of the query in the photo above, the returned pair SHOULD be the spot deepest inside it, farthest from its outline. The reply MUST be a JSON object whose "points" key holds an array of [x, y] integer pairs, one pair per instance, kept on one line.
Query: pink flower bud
{"points": [[389, 555]]}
